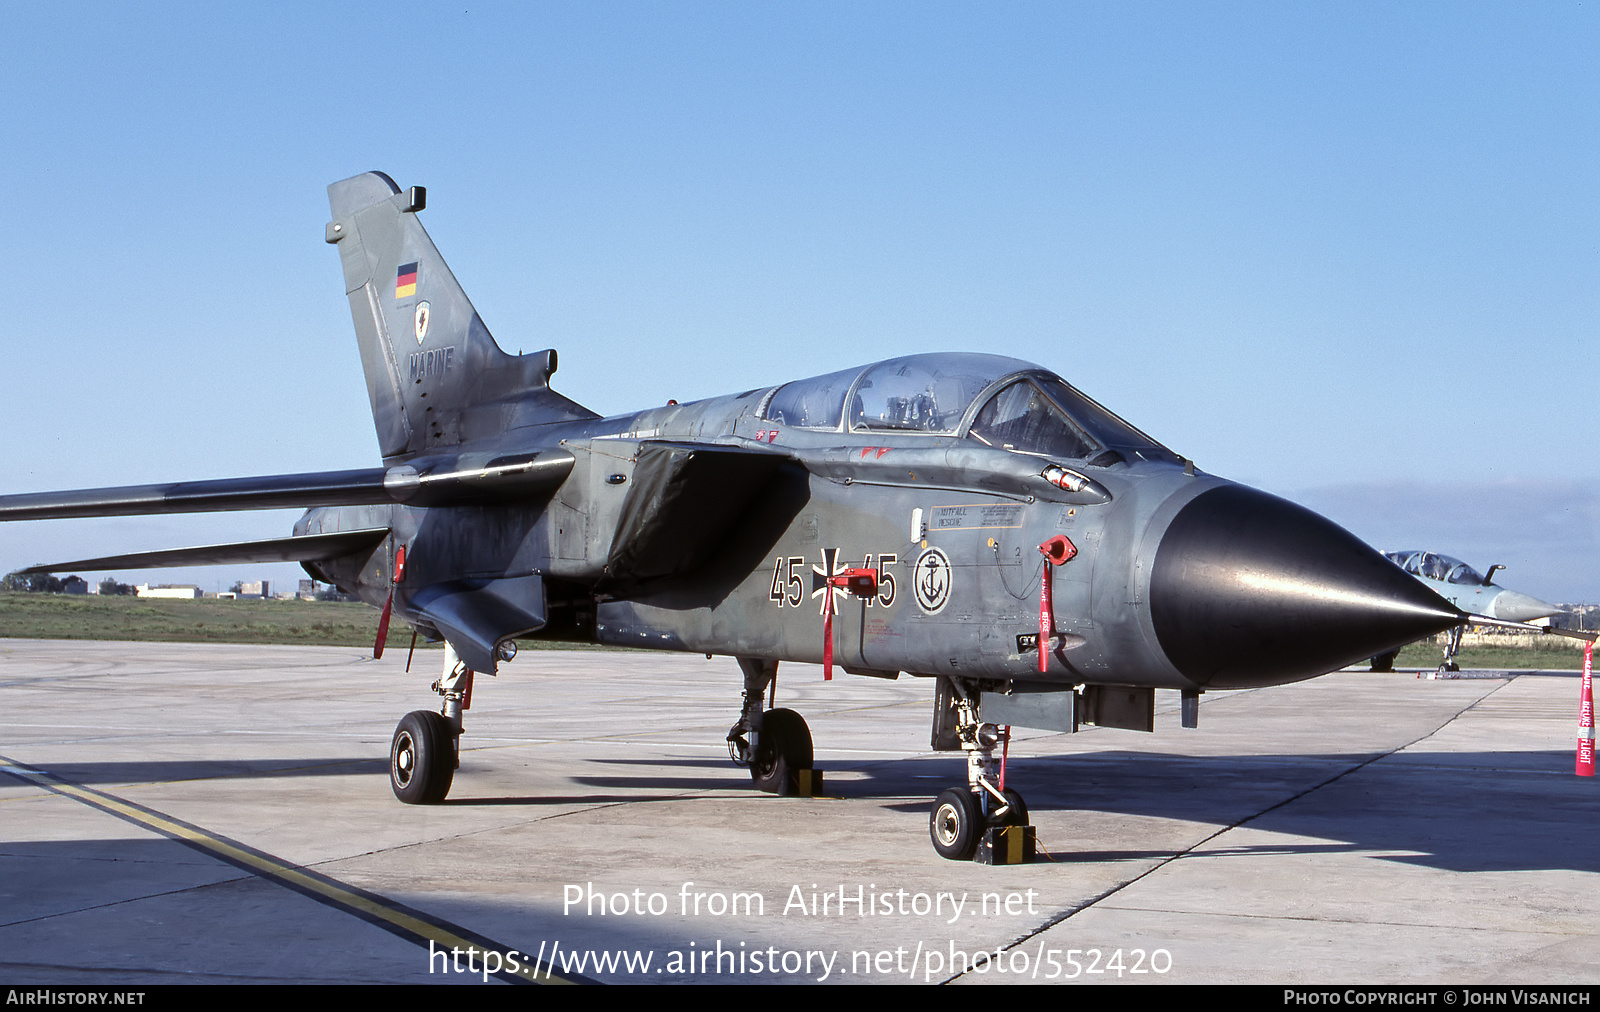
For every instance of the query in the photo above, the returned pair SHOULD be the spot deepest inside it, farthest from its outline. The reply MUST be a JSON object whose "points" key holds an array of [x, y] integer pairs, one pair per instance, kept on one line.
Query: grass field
{"points": [[332, 623], [91, 617], [1552, 653]]}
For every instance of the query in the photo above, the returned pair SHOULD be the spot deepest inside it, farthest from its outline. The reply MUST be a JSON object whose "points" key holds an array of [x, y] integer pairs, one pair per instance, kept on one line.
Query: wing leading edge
{"points": [[445, 481], [304, 548]]}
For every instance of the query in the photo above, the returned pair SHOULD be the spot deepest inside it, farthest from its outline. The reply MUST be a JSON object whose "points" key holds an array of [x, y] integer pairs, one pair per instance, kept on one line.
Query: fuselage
{"points": [[927, 493]]}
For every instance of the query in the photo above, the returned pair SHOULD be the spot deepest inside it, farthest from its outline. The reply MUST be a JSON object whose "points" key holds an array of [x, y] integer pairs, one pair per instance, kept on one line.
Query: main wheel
{"points": [[783, 745], [422, 758], [1385, 661], [956, 823]]}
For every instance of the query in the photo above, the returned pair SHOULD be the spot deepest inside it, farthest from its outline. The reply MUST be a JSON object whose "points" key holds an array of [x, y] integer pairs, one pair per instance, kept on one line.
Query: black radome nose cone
{"points": [[1248, 589]]}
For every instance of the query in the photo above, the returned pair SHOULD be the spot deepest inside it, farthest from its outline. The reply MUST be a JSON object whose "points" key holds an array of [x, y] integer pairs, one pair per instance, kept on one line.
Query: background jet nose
{"points": [[1248, 589], [1515, 607]]}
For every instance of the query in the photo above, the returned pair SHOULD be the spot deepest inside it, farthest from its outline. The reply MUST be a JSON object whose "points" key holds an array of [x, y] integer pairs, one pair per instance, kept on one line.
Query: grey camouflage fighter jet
{"points": [[966, 517], [1469, 590]]}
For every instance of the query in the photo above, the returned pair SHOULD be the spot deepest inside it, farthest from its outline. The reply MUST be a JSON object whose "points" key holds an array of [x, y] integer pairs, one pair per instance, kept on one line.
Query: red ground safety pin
{"points": [[859, 582], [1056, 551]]}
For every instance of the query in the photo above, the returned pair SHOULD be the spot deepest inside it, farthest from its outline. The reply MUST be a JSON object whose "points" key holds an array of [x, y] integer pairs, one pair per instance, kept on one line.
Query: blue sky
{"points": [[1343, 252]]}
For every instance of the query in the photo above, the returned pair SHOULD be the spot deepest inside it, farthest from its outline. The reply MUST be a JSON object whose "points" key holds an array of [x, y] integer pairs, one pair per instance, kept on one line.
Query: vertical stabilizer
{"points": [[435, 376]]}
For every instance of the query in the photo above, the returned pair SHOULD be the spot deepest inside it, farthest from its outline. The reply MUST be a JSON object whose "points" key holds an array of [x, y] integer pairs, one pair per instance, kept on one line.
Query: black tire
{"points": [[783, 745], [1017, 813], [1385, 662], [956, 823], [422, 758]]}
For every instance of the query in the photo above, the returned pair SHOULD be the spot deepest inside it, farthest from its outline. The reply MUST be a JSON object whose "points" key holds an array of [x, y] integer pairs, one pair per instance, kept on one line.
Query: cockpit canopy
{"points": [[1435, 567], [1000, 402]]}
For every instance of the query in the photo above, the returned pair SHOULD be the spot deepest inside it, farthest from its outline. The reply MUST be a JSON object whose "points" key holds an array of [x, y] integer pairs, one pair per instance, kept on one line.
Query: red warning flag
{"points": [[1586, 715], [1056, 551]]}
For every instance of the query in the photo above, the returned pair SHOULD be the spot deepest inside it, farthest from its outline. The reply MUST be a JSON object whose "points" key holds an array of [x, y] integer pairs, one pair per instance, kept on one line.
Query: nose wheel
{"points": [[1016, 813], [961, 816], [955, 824]]}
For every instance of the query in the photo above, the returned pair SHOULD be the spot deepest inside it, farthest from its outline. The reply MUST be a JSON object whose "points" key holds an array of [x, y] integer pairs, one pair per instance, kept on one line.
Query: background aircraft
{"points": [[1467, 589], [967, 517]]}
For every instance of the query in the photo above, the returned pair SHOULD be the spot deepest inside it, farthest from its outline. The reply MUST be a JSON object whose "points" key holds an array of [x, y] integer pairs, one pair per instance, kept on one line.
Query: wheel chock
{"points": [[1006, 845], [808, 783]]}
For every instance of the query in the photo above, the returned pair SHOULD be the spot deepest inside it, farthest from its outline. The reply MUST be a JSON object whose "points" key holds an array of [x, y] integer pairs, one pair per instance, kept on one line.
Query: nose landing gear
{"points": [[961, 817]]}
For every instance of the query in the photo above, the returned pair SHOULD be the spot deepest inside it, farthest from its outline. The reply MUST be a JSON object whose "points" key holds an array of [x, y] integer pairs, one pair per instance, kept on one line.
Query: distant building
{"points": [[254, 590], [74, 585], [187, 591]]}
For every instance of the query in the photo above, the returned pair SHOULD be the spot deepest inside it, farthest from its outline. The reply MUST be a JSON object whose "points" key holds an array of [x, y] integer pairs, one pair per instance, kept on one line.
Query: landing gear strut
{"points": [[960, 815], [774, 744], [425, 752], [1449, 665]]}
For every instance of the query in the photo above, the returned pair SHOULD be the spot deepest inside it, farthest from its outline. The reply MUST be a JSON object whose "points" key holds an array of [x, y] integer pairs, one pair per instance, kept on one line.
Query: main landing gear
{"points": [[422, 757], [774, 744], [426, 750], [961, 815]]}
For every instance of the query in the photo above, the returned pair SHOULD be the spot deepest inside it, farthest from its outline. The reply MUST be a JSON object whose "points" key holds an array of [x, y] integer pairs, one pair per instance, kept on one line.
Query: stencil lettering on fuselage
{"points": [[977, 517], [432, 363]]}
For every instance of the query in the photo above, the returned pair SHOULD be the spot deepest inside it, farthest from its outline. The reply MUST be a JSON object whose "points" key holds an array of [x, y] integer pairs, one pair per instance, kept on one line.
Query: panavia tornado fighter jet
{"points": [[1469, 590], [963, 517]]}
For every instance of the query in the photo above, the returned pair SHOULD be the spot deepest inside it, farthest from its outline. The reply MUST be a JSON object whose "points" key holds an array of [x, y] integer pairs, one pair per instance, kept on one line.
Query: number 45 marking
{"points": [[789, 589]]}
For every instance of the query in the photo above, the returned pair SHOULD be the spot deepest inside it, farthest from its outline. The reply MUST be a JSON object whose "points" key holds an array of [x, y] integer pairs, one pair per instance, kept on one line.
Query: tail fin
{"points": [[435, 376]]}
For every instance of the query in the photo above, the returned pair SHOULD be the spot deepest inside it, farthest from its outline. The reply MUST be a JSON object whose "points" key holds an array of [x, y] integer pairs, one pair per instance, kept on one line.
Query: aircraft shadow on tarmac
{"points": [[569, 799], [1461, 811], [1487, 811]]}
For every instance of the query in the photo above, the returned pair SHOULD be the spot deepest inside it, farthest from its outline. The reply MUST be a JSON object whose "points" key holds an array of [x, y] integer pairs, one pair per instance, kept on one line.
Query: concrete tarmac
{"points": [[219, 814]]}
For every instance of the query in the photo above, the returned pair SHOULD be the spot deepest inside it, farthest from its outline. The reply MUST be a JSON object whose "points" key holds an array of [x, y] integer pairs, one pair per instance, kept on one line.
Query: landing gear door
{"points": [[945, 738]]}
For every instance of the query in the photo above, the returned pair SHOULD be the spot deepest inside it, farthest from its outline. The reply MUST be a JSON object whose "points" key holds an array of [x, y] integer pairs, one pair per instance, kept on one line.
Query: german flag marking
{"points": [[405, 281]]}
